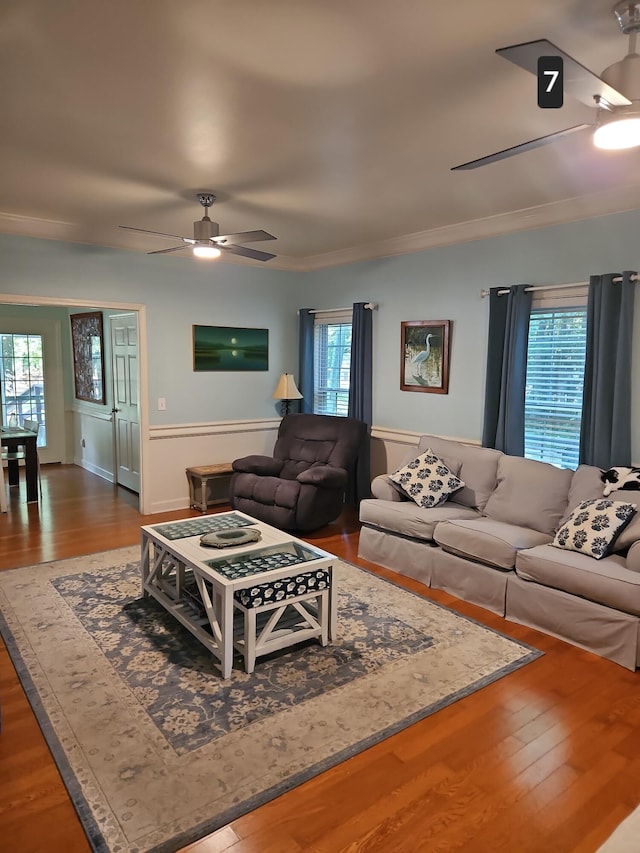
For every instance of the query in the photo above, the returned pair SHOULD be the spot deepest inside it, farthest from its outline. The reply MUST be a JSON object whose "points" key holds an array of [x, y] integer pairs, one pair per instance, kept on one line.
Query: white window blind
{"points": [[332, 363], [555, 373]]}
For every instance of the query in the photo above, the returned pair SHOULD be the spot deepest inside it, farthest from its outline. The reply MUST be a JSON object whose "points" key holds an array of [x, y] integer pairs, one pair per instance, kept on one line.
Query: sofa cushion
{"points": [[407, 519], [478, 467], [592, 527], [427, 480], [529, 494], [484, 540], [586, 485], [606, 581]]}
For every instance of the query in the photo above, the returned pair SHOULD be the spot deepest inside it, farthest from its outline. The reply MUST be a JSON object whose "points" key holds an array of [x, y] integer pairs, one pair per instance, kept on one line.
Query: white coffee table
{"points": [[196, 584]]}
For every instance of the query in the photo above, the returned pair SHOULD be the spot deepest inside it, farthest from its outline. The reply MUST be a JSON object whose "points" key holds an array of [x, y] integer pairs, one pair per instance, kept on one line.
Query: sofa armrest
{"points": [[633, 557], [255, 464], [323, 476], [384, 489]]}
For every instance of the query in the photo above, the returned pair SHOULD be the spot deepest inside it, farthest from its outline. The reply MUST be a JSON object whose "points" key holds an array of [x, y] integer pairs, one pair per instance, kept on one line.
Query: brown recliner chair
{"points": [[302, 486]]}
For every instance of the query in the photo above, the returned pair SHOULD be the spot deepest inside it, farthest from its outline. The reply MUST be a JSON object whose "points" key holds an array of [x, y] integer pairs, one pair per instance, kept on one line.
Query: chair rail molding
{"points": [[166, 431]]}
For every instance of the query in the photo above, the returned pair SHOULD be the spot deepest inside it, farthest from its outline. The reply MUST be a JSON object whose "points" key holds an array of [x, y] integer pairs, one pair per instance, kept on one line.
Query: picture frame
{"points": [[424, 356], [87, 342], [229, 348]]}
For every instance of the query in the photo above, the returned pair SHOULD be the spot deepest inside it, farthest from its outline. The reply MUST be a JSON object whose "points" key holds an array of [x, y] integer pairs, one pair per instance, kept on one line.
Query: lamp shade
{"points": [[286, 388]]}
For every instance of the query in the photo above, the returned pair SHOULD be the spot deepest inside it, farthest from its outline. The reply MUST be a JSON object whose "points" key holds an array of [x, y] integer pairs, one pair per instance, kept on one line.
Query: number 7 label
{"points": [[550, 82]]}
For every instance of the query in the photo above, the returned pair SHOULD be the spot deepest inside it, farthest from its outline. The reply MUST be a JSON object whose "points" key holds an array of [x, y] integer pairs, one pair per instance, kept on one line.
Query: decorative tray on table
{"points": [[234, 536]]}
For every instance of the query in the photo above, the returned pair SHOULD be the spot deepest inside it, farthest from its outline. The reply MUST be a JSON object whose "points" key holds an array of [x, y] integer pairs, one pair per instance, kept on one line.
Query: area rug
{"points": [[157, 751]]}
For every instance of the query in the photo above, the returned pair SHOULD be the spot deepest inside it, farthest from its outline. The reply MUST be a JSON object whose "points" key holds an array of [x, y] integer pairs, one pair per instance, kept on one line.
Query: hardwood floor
{"points": [[546, 759]]}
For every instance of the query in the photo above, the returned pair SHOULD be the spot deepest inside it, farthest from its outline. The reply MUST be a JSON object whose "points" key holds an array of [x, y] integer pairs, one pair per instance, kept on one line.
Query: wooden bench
{"points": [[199, 477]]}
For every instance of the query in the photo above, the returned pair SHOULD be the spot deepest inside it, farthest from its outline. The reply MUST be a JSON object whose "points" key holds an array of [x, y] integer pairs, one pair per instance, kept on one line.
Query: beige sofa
{"points": [[489, 543]]}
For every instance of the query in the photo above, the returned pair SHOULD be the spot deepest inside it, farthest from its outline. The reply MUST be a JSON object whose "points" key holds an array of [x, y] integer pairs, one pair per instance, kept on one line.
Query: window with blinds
{"points": [[555, 372], [332, 363], [22, 381]]}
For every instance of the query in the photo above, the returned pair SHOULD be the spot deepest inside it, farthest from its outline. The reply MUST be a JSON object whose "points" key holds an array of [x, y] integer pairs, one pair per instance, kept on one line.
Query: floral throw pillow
{"points": [[427, 480], [593, 526]]}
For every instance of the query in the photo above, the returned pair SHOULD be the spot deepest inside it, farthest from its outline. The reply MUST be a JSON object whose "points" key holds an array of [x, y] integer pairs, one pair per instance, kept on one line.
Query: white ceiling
{"points": [[331, 124]]}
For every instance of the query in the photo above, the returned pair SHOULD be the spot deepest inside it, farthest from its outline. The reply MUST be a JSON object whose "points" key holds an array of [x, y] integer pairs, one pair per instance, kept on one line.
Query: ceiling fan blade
{"points": [[519, 149], [579, 82], [165, 251], [247, 253], [244, 237], [158, 233]]}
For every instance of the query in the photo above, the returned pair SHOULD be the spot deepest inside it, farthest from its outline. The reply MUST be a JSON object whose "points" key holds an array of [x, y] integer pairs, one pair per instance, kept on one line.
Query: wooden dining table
{"points": [[13, 437]]}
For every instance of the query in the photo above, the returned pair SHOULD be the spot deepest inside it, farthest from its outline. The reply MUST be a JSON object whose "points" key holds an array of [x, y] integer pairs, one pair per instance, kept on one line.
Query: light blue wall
{"points": [[445, 284], [178, 293], [438, 284]]}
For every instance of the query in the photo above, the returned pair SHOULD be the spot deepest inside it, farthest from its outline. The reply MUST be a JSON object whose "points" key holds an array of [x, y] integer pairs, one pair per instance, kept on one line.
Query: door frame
{"points": [[70, 302]]}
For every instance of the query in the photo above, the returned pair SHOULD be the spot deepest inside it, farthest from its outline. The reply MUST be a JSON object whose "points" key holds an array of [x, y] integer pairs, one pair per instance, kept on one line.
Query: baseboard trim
{"points": [[94, 469]]}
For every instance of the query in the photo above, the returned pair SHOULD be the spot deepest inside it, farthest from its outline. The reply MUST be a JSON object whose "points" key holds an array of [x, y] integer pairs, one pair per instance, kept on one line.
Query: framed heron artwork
{"points": [[424, 356]]}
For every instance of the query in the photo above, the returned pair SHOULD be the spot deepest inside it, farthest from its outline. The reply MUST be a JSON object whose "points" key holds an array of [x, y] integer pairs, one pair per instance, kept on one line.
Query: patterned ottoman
{"points": [[282, 613]]}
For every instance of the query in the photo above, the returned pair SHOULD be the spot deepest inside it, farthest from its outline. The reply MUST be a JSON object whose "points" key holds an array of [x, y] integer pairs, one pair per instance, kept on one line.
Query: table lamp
{"points": [[286, 390]]}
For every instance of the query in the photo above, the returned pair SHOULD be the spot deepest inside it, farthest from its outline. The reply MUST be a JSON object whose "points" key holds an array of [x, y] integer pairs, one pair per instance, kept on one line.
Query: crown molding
{"points": [[555, 213], [32, 226], [588, 206]]}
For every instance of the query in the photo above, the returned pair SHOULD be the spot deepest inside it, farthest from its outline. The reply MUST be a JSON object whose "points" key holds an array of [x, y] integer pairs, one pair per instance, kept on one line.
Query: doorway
{"points": [[138, 431]]}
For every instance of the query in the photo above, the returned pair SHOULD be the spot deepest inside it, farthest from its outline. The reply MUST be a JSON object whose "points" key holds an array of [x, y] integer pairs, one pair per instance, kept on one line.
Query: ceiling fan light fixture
{"points": [[618, 133], [201, 251]]}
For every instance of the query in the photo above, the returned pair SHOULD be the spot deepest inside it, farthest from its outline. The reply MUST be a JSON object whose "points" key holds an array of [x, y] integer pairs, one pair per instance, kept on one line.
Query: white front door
{"points": [[126, 417], [31, 383]]}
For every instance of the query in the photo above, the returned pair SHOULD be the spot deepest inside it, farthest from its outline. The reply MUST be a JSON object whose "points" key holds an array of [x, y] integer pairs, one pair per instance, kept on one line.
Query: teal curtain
{"points": [[505, 385], [305, 359], [605, 434], [360, 396]]}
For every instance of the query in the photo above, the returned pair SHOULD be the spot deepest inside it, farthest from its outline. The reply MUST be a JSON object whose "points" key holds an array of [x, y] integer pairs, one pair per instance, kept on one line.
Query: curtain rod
{"points": [[484, 293], [369, 305]]}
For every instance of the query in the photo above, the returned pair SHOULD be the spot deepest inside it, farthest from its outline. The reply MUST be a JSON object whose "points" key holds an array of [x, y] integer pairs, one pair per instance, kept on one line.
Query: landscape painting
{"points": [[229, 348]]}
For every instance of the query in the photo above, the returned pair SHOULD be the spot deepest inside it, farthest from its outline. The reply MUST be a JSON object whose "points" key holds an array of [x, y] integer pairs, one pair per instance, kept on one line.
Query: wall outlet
{"points": [[83, 443], [162, 404]]}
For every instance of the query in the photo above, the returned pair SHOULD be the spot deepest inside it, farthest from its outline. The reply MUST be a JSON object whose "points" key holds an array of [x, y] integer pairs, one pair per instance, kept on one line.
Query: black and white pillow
{"points": [[593, 527], [427, 480]]}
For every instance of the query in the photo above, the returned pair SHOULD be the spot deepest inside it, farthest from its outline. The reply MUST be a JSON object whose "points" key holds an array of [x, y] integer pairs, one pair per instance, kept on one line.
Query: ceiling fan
{"points": [[615, 94], [207, 242]]}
